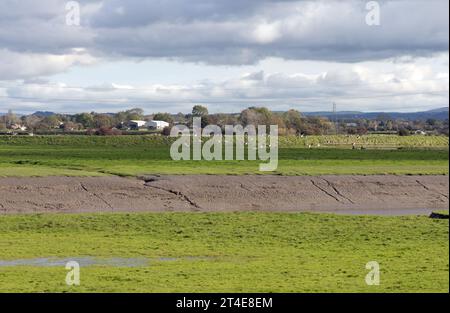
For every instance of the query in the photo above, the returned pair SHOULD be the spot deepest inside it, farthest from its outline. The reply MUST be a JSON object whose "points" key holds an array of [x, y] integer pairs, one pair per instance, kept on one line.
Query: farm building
{"points": [[157, 124], [134, 124], [18, 127]]}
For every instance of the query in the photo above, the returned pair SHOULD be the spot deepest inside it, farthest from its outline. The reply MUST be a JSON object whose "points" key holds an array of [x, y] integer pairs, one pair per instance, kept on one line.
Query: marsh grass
{"points": [[135, 155], [228, 252]]}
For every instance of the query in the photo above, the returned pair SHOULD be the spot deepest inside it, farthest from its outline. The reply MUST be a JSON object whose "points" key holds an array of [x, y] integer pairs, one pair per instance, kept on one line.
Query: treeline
{"points": [[81, 121], [291, 122]]}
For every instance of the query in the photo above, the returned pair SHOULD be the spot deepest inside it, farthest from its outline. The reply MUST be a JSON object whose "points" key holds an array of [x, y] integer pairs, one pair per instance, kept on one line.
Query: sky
{"points": [[166, 56]]}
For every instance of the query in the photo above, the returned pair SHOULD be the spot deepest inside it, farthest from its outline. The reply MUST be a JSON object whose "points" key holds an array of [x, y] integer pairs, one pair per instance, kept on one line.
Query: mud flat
{"points": [[380, 194]]}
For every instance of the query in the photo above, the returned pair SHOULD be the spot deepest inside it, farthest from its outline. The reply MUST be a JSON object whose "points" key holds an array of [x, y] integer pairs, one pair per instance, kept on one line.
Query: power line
{"points": [[336, 126]]}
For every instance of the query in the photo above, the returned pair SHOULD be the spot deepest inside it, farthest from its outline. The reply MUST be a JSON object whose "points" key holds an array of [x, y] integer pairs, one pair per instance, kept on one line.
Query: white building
{"points": [[420, 132], [18, 127], [134, 124], [157, 124]]}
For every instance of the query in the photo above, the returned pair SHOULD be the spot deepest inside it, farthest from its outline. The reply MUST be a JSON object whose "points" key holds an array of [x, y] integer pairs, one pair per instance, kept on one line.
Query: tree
{"points": [[431, 121], [85, 119], [389, 125], [166, 117], [221, 119], [11, 118], [361, 130], [277, 119], [121, 117], [50, 122], [256, 116], [166, 131], [316, 125], [199, 111], [71, 126], [32, 122], [103, 120], [248, 117], [264, 115], [135, 114], [403, 132], [293, 120], [180, 118]]}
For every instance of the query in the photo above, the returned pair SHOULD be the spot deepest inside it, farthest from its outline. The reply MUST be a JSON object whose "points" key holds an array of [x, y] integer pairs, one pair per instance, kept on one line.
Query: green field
{"points": [[222, 252], [135, 155], [227, 252]]}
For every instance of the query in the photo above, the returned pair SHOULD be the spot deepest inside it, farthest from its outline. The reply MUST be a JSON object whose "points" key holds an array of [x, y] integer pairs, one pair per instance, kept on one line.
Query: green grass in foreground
{"points": [[228, 252], [135, 155]]}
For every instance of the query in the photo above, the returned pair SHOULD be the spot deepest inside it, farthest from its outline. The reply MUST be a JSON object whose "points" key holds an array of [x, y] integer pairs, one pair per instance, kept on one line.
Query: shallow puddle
{"points": [[386, 212], [83, 261], [92, 261]]}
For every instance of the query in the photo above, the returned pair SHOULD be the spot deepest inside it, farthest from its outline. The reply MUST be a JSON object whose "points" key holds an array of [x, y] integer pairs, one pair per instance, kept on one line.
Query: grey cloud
{"points": [[30, 26], [322, 30], [257, 76], [136, 13]]}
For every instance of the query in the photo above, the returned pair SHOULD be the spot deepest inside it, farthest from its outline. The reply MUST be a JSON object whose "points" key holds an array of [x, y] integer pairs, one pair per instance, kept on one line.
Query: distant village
{"points": [[292, 122]]}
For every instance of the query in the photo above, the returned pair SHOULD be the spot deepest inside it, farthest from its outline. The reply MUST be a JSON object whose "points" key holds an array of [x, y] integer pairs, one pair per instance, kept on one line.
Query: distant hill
{"points": [[439, 114], [43, 113], [444, 109]]}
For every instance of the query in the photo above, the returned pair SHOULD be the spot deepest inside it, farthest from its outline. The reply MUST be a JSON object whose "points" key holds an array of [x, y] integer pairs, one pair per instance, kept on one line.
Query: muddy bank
{"points": [[352, 194]]}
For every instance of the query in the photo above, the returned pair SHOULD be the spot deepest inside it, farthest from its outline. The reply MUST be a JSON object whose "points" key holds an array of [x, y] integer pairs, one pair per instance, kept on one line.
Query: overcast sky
{"points": [[167, 55]]}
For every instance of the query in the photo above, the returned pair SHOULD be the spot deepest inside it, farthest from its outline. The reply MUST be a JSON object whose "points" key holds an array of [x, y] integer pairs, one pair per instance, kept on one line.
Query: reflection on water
{"points": [[385, 212], [91, 261], [83, 261]]}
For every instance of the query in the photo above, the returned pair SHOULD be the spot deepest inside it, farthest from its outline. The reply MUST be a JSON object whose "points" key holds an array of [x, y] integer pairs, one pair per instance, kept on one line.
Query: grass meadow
{"points": [[136, 155], [223, 252], [226, 252]]}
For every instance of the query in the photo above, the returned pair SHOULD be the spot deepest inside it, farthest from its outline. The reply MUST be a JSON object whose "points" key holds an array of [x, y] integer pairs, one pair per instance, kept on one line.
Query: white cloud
{"points": [[15, 65], [364, 86], [266, 33]]}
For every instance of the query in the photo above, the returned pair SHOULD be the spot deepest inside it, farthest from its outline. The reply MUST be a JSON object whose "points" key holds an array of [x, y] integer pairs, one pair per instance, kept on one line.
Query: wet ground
{"points": [[85, 261], [377, 194]]}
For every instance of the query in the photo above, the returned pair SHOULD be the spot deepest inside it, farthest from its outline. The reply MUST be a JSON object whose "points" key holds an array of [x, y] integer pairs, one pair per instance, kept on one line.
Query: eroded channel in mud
{"points": [[347, 194]]}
